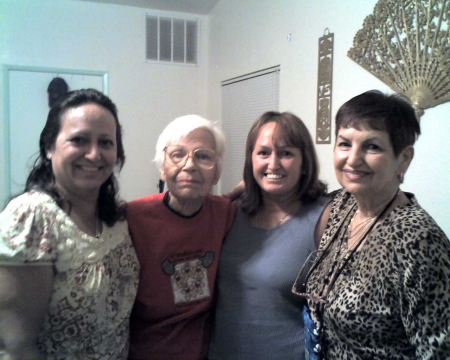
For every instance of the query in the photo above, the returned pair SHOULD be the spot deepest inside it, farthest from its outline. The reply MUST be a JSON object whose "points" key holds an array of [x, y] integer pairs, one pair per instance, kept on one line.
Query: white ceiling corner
{"points": [[200, 7]]}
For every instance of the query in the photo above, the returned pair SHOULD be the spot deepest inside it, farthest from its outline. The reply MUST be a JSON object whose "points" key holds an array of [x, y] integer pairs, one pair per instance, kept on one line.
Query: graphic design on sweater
{"points": [[189, 278]]}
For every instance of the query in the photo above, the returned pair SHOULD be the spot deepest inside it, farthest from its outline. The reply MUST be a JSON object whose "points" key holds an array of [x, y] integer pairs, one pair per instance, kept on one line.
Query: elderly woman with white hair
{"points": [[178, 237]]}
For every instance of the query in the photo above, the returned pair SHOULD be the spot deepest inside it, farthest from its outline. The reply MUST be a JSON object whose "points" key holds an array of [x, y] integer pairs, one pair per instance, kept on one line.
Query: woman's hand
{"points": [[236, 192]]}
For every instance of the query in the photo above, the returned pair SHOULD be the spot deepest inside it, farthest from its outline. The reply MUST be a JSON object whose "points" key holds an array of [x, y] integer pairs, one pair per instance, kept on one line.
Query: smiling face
{"points": [[85, 151], [365, 164], [276, 166], [189, 183]]}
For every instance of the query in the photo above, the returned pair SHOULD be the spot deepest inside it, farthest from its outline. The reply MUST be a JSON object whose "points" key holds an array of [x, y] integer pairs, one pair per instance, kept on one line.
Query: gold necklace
{"points": [[285, 216], [281, 220], [358, 228], [356, 233]]}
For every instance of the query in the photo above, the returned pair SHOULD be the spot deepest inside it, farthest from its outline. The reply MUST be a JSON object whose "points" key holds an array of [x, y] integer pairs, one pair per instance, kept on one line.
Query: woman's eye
{"points": [[106, 143], [286, 154], [177, 155], [373, 147], [78, 140], [343, 144], [203, 156]]}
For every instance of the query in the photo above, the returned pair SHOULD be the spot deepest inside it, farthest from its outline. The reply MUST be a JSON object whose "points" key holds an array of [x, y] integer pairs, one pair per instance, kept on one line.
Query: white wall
{"points": [[250, 35], [82, 35], [241, 36]]}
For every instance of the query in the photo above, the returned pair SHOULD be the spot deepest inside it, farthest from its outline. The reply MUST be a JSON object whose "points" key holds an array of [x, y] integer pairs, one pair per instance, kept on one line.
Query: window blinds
{"points": [[244, 99]]}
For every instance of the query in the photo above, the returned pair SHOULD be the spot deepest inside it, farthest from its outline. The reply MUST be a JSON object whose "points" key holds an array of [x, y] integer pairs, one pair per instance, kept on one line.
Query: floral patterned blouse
{"points": [[392, 299], [95, 279]]}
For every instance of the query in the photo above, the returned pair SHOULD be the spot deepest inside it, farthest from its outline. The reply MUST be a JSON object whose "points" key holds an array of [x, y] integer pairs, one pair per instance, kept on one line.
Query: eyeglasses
{"points": [[310, 264], [178, 156]]}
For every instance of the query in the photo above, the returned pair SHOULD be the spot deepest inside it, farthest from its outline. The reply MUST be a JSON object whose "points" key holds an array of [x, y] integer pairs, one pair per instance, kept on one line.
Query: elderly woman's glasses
{"points": [[178, 156]]}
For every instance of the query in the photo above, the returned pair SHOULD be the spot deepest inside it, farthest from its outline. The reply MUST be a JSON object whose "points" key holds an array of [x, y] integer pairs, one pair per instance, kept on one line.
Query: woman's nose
{"points": [[93, 152], [189, 162], [274, 161], [355, 156]]}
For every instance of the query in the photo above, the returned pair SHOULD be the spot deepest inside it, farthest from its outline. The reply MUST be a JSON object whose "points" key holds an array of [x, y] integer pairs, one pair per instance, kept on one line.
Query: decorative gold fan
{"points": [[405, 43]]}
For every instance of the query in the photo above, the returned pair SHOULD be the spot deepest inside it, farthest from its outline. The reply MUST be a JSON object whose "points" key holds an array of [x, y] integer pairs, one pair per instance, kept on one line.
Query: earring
{"points": [[401, 177]]}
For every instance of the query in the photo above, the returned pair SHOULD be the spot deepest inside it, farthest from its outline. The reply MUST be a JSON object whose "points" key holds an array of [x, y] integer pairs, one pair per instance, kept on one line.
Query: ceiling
{"points": [[200, 7]]}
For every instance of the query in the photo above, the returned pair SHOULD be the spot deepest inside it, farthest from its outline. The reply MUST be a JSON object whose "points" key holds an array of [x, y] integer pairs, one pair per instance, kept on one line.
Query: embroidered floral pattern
{"points": [[95, 280]]}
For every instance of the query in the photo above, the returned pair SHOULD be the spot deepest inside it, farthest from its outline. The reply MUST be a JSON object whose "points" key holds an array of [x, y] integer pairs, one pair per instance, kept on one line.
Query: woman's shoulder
{"points": [[414, 223], [32, 199], [29, 227], [117, 233], [339, 195], [36, 204], [146, 203], [218, 200], [222, 205], [323, 200], [341, 200]]}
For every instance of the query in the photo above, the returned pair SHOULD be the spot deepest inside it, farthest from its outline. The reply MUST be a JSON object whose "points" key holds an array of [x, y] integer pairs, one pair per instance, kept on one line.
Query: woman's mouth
{"points": [[354, 174], [274, 176], [89, 168]]}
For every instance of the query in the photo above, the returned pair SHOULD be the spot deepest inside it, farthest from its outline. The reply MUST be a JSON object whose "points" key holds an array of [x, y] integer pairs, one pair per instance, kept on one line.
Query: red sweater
{"points": [[172, 315]]}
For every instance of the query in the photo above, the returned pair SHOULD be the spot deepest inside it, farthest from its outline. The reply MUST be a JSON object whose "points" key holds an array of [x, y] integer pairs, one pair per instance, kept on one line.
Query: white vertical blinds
{"points": [[244, 99]]}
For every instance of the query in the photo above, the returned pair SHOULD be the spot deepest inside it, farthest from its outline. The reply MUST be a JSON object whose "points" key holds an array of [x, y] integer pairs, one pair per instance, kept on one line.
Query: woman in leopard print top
{"points": [[379, 287]]}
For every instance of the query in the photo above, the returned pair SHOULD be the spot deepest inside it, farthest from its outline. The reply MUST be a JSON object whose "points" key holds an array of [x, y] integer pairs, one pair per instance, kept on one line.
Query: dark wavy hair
{"points": [[41, 176], [294, 133], [391, 113]]}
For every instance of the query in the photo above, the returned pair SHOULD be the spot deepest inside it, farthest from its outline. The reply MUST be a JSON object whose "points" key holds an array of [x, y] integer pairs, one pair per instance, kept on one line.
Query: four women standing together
{"points": [[377, 288]]}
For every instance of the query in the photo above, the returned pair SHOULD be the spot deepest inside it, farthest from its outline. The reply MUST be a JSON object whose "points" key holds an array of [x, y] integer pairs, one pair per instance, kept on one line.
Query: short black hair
{"points": [[391, 113]]}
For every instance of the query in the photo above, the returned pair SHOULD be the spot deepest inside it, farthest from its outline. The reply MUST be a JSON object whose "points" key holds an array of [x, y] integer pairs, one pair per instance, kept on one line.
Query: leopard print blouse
{"points": [[392, 299]]}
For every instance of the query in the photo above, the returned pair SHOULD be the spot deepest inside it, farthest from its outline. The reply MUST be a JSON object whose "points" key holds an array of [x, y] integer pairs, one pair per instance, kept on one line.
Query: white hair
{"points": [[181, 127]]}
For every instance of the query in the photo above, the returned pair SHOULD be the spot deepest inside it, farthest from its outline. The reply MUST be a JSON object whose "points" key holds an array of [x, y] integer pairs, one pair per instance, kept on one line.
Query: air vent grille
{"points": [[171, 40]]}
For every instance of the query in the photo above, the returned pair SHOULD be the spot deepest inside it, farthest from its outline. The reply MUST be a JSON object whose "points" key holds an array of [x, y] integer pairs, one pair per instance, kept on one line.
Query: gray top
{"points": [[257, 316]]}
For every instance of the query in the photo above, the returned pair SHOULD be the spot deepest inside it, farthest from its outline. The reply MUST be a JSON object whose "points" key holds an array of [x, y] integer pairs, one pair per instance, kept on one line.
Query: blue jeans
{"points": [[312, 342]]}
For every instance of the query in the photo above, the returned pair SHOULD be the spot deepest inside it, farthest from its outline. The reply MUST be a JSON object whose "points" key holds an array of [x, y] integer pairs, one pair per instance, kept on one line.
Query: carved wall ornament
{"points": [[405, 44], [324, 88]]}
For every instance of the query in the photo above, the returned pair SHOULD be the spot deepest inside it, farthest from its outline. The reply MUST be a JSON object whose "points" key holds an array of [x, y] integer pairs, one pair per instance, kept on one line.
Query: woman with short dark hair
{"points": [[378, 287]]}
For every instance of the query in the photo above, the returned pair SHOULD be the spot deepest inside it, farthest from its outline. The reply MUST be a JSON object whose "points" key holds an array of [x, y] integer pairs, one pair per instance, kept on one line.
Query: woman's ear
{"points": [[216, 177], [405, 158], [48, 152], [163, 175]]}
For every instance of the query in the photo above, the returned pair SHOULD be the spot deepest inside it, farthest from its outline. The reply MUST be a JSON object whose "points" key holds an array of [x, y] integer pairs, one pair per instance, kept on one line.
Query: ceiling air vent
{"points": [[171, 40]]}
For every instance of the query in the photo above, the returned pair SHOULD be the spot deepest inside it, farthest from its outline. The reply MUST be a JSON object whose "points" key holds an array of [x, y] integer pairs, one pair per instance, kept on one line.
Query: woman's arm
{"points": [[24, 299], [425, 294], [236, 192], [321, 224]]}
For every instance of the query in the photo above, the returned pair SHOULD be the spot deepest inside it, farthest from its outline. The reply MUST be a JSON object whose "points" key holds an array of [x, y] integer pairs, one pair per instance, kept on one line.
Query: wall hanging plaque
{"points": [[324, 88]]}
